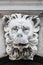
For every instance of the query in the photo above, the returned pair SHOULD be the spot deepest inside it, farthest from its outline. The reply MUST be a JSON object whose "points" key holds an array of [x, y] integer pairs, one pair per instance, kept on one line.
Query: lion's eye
{"points": [[25, 28], [14, 28]]}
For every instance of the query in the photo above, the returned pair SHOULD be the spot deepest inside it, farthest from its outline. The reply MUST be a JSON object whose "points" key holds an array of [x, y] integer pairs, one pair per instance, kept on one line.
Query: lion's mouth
{"points": [[21, 44]]}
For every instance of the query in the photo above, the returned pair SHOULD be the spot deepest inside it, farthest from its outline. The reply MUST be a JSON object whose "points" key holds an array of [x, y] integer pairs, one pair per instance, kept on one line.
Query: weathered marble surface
{"points": [[2, 43], [2, 46], [40, 45], [21, 4], [30, 40]]}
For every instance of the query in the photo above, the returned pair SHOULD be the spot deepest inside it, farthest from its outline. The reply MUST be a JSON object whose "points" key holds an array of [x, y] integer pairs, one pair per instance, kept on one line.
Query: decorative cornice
{"points": [[21, 5]]}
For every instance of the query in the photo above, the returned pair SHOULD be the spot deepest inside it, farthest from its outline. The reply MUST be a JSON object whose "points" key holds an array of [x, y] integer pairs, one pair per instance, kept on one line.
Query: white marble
{"points": [[21, 4], [2, 43], [20, 35]]}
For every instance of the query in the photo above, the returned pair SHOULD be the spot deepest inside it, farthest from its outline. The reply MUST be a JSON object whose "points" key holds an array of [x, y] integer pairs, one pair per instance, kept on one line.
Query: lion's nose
{"points": [[19, 35]]}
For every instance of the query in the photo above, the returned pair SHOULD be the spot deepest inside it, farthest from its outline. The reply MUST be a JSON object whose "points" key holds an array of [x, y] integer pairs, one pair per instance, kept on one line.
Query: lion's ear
{"points": [[36, 21], [5, 18]]}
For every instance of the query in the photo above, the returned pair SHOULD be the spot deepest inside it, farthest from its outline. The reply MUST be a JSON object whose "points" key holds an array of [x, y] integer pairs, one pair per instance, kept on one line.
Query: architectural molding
{"points": [[21, 5]]}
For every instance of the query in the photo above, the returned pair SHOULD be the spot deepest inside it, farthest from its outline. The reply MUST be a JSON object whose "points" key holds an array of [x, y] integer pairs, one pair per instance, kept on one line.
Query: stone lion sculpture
{"points": [[21, 34]]}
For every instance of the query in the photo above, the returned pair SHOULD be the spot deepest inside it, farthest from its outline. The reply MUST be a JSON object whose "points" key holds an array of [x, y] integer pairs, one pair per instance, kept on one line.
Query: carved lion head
{"points": [[21, 35]]}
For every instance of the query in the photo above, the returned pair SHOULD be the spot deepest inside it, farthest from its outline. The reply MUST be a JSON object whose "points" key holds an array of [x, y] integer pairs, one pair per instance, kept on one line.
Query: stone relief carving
{"points": [[21, 33]]}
